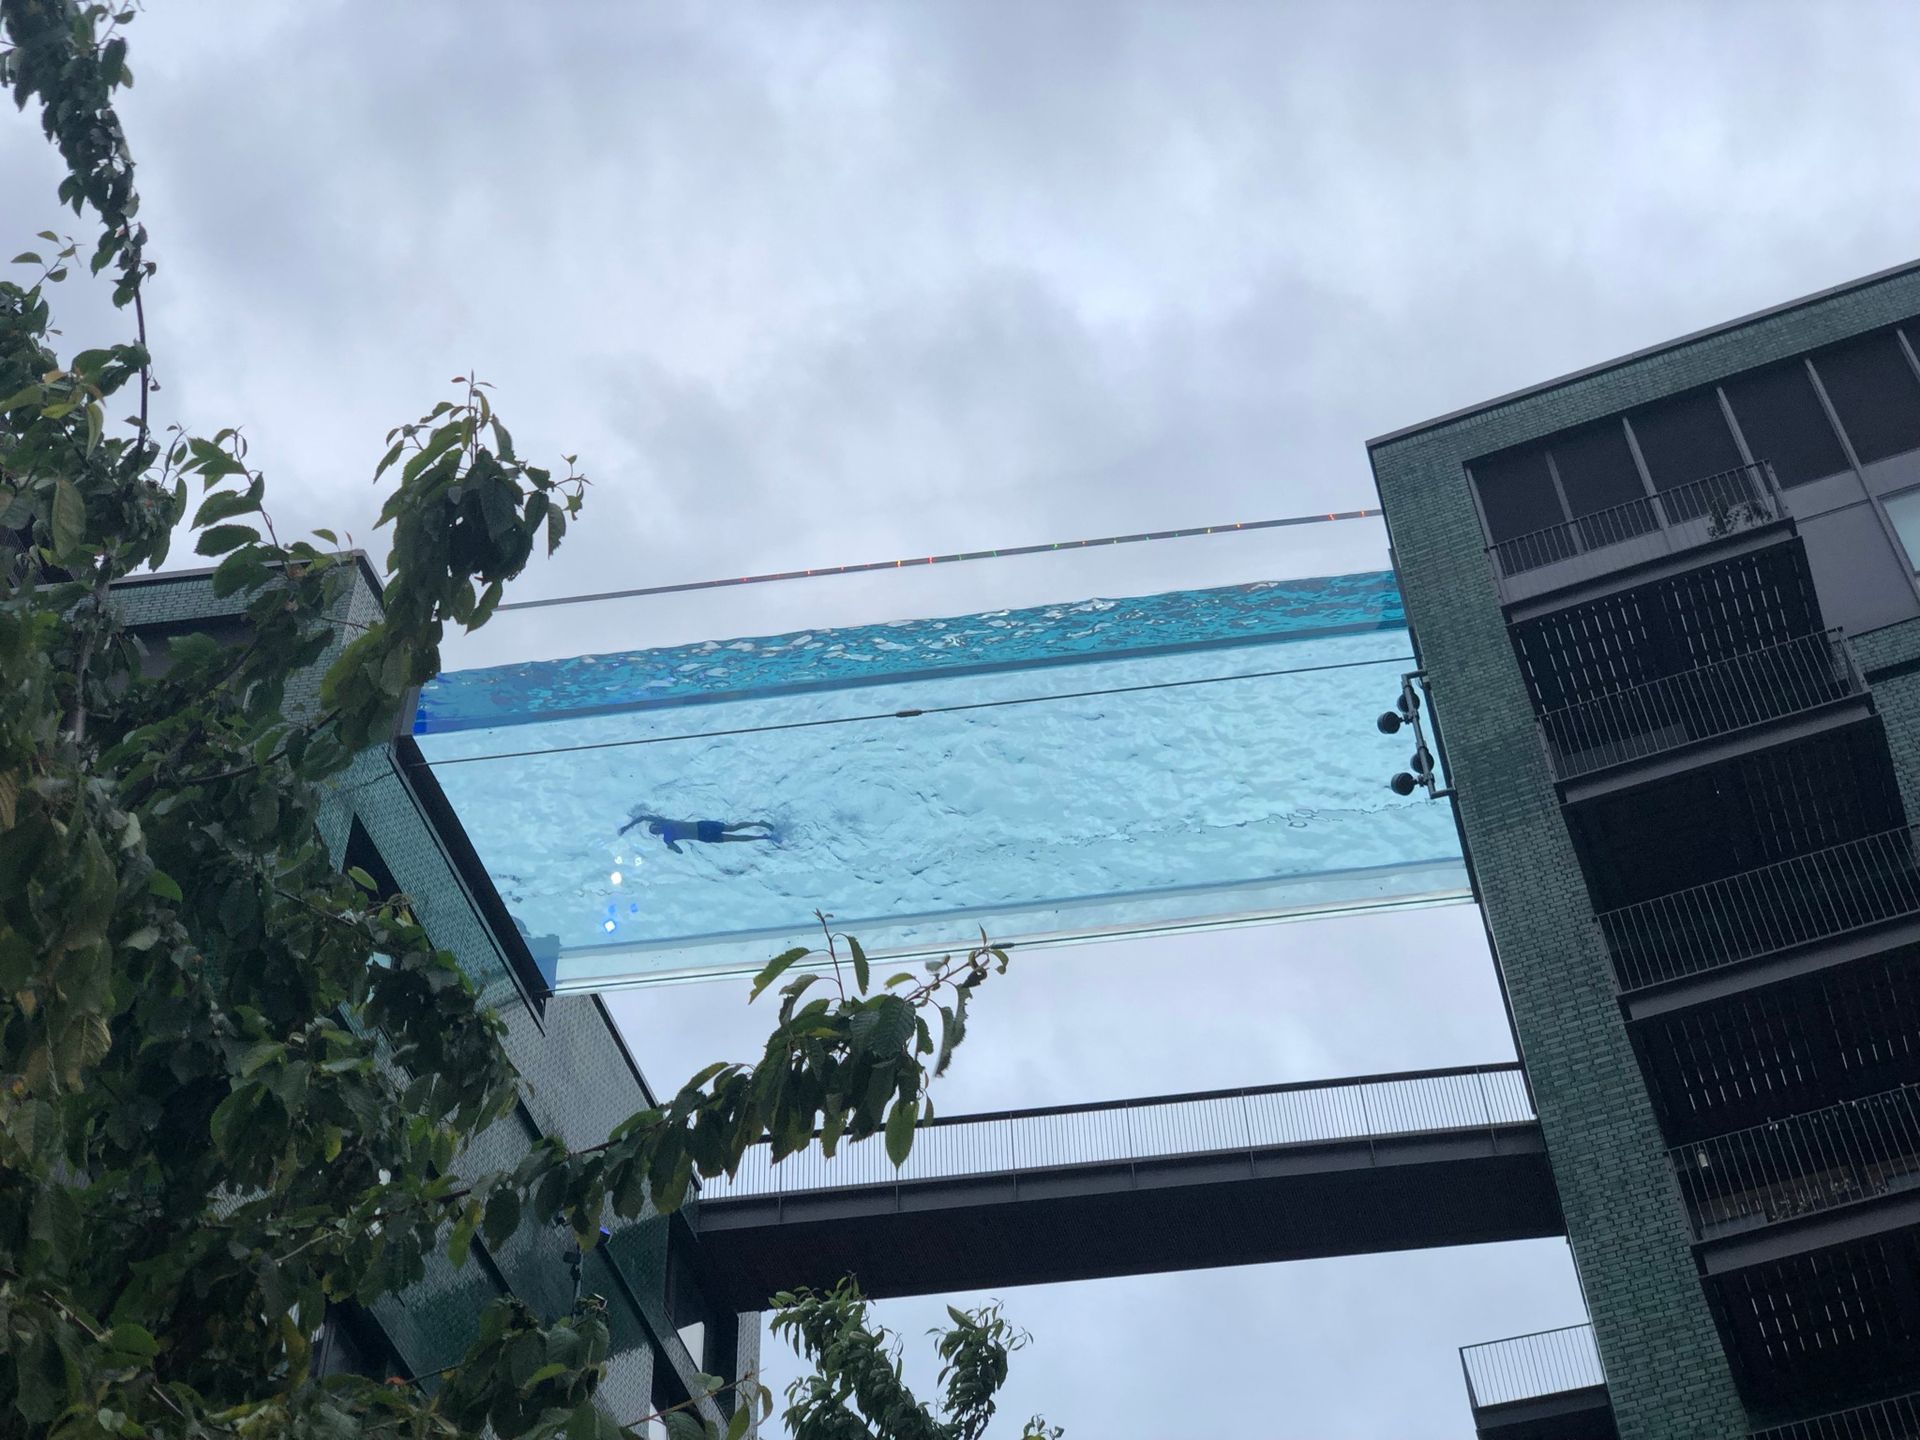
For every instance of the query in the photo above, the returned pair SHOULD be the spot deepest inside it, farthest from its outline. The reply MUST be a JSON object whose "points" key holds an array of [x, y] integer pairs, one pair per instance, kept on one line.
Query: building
{"points": [[1667, 611], [389, 818]]}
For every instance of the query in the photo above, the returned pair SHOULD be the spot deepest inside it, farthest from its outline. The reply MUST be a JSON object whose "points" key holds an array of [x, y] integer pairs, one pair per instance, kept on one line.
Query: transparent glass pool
{"points": [[1059, 772]]}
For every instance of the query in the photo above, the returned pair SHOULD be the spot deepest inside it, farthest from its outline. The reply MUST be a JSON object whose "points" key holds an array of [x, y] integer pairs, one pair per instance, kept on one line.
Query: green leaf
{"points": [[545, 1372], [242, 570], [69, 517], [884, 1026], [162, 884], [682, 1426], [386, 461], [742, 1418], [862, 973], [524, 1356], [832, 1124], [503, 1217], [42, 1378], [900, 1122], [775, 968], [130, 1339], [222, 538], [250, 1059], [460, 1240], [224, 503], [27, 257], [443, 440]]}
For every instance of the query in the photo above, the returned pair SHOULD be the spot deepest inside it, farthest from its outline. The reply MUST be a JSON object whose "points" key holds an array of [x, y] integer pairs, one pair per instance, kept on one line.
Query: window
{"points": [[1596, 468], [1685, 439], [1904, 510], [1874, 393], [1516, 492], [1785, 424], [1602, 484], [364, 855]]}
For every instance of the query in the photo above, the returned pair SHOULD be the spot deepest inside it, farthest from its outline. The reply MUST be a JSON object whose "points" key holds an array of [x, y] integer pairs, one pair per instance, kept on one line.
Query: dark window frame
{"points": [[1860, 342]]}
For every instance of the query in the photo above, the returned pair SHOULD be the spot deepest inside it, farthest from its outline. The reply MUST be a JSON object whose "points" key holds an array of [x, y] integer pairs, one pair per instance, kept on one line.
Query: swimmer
{"points": [[706, 832]]}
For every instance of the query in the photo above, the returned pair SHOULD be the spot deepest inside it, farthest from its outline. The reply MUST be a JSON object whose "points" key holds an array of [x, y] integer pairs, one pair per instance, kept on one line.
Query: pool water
{"points": [[1063, 772]]}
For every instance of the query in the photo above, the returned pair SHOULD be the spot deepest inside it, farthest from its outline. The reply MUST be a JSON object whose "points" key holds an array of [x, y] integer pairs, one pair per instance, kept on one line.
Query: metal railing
{"points": [[1818, 896], [1806, 1163], [1160, 1127], [1677, 519], [1526, 1367], [1895, 1419], [1713, 699]]}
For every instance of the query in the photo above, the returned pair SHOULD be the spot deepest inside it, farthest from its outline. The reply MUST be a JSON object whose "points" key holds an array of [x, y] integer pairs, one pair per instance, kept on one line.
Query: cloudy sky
{"points": [[810, 283]]}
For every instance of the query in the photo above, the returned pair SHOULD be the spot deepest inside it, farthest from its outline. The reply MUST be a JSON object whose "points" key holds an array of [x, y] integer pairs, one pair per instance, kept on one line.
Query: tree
{"points": [[218, 1115]]}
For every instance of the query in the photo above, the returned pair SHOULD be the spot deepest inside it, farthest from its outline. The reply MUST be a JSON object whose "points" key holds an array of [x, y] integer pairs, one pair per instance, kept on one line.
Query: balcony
{"points": [[1645, 529], [1895, 1419], [1545, 1386], [1854, 890], [1688, 710], [1841, 1155]]}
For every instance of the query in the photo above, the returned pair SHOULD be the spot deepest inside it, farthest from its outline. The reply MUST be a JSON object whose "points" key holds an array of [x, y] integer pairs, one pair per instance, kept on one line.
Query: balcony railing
{"points": [[1896, 1419], [1527, 1367], [1717, 699], [1643, 528], [1813, 897], [1855, 1150], [1162, 1127]]}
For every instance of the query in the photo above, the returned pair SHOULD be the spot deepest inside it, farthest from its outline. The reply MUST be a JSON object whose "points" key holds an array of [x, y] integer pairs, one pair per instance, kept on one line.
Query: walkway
{"points": [[1129, 1187]]}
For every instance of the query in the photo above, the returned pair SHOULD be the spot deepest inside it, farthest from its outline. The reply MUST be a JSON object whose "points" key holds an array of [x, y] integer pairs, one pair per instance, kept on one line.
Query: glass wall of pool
{"points": [[1053, 773]]}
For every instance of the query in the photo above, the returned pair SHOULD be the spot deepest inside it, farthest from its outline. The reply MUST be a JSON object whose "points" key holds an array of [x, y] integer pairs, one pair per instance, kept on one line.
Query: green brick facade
{"points": [[1891, 659], [579, 1080], [1667, 1373]]}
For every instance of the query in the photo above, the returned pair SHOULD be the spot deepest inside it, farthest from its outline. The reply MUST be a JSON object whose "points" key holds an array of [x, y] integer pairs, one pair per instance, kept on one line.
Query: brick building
{"points": [[1667, 611]]}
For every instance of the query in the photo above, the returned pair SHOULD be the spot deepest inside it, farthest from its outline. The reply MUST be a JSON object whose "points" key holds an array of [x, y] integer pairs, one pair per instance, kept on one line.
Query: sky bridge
{"points": [[1128, 1187]]}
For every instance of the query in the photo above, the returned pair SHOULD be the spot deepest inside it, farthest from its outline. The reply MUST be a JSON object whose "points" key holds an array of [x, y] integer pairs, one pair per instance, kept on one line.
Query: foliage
{"points": [[219, 1116], [856, 1389]]}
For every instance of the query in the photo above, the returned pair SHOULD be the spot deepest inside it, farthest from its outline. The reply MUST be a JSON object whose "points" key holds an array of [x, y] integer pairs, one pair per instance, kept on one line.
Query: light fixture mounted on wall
{"points": [[1420, 772]]}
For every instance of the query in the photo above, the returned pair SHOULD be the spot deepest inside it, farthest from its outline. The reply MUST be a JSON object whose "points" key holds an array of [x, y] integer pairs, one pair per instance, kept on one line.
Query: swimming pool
{"points": [[1058, 772]]}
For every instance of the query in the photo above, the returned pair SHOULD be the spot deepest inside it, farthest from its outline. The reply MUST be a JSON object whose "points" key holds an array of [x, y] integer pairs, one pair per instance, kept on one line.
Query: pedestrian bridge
{"points": [[1131, 1187]]}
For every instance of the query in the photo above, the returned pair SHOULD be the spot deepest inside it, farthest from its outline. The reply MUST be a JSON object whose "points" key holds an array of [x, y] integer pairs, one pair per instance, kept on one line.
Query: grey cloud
{"points": [[812, 283]]}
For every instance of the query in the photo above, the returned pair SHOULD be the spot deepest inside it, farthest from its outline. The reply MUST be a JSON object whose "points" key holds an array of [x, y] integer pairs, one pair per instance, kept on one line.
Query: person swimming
{"points": [[706, 832]]}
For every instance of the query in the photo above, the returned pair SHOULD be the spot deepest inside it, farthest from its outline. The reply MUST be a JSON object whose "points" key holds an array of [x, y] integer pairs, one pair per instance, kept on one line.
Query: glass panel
{"points": [[1785, 425], [1596, 468], [1603, 484], [1107, 767], [1904, 510], [1874, 393], [1685, 439], [1516, 492], [529, 629]]}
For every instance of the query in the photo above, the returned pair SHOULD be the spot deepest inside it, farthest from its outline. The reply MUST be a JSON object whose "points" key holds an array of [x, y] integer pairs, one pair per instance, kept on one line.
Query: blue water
{"points": [[877, 654], [1065, 777]]}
